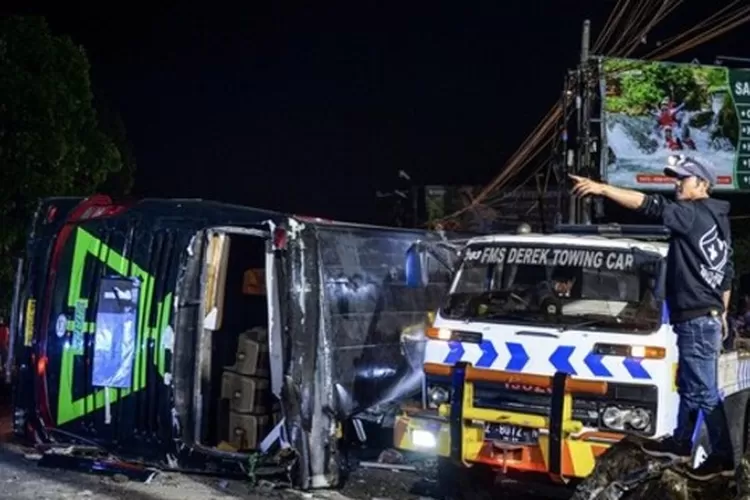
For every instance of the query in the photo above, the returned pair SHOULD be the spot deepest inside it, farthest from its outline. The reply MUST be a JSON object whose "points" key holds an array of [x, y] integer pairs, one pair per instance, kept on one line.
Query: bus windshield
{"points": [[612, 289]]}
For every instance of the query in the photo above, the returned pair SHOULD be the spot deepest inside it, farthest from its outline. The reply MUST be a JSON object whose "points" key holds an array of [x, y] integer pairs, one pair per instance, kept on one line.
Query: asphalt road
{"points": [[21, 478]]}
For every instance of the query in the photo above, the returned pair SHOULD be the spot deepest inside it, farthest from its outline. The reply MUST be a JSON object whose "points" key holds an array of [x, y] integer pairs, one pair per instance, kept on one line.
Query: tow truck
{"points": [[548, 350]]}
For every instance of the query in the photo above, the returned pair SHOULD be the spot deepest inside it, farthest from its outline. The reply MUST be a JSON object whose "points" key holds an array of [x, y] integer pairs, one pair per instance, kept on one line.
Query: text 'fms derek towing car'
{"points": [[549, 349]]}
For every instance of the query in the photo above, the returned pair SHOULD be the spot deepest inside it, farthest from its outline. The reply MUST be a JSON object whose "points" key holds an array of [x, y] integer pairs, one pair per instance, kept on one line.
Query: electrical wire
{"points": [[741, 17], [500, 196], [520, 158], [612, 21], [669, 10], [641, 34], [542, 135], [634, 25], [717, 17]]}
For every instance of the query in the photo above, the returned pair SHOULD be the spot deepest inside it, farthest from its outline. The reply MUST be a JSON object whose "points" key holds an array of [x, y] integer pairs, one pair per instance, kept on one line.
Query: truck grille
{"points": [[536, 401]]}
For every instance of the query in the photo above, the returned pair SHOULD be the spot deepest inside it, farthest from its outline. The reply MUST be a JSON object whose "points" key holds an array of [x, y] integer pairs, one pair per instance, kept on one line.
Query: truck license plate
{"points": [[511, 434]]}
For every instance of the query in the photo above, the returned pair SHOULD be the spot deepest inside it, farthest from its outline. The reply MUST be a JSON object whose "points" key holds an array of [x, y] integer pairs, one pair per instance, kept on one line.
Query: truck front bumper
{"points": [[457, 431]]}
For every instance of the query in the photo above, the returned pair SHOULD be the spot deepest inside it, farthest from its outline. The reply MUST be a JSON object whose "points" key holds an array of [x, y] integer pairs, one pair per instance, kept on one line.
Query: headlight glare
{"points": [[438, 395], [639, 419], [618, 418], [612, 417]]}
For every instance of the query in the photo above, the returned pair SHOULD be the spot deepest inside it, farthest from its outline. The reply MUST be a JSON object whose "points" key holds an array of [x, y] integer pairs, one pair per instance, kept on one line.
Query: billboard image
{"points": [[654, 109]]}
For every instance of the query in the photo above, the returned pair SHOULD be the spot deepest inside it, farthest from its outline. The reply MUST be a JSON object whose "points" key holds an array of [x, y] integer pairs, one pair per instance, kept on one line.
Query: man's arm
{"points": [[677, 216], [727, 297], [726, 284], [628, 198]]}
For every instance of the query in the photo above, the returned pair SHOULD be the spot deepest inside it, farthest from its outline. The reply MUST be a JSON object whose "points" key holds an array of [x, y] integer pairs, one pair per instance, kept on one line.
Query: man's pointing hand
{"points": [[586, 187]]}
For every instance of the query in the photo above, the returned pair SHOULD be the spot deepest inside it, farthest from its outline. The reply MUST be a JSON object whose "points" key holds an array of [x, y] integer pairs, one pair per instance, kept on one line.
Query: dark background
{"points": [[310, 108]]}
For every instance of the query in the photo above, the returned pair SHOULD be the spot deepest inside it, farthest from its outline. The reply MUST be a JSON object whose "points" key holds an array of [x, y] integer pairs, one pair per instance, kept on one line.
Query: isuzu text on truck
{"points": [[550, 348]]}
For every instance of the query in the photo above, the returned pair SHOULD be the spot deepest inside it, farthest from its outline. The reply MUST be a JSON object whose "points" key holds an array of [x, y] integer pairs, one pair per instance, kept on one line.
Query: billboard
{"points": [[651, 110]]}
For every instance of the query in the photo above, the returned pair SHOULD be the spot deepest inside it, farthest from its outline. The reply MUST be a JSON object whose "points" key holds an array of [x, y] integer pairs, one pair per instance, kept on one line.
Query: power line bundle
{"points": [[624, 31]]}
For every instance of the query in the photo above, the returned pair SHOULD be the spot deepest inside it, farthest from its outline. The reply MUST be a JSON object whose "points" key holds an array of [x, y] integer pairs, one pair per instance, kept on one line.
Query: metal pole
{"points": [[561, 169], [585, 209], [580, 207], [574, 169], [585, 41], [744, 60], [415, 205]]}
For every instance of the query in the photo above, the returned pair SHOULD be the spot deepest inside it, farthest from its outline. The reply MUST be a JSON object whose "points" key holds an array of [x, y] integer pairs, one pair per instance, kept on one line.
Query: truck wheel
{"points": [[456, 482]]}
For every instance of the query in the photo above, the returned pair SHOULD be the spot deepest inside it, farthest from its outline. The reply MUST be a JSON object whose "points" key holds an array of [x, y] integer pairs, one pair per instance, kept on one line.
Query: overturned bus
{"points": [[192, 333]]}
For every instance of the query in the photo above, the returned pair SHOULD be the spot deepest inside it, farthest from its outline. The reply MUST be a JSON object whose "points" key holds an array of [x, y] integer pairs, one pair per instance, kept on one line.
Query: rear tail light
{"points": [[279, 238], [51, 213]]}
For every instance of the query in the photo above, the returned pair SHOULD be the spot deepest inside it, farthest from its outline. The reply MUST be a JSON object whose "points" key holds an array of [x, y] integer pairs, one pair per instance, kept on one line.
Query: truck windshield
{"points": [[570, 287]]}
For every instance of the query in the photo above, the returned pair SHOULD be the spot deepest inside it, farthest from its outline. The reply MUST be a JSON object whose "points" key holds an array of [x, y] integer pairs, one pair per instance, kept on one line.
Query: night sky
{"points": [[310, 109]]}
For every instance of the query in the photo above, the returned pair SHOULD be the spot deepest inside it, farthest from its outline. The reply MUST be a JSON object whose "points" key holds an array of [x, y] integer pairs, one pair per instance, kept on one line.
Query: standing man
{"points": [[698, 288]]}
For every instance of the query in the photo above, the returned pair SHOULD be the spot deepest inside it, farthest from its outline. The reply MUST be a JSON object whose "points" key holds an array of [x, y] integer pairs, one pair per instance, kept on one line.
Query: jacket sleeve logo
{"points": [[715, 254]]}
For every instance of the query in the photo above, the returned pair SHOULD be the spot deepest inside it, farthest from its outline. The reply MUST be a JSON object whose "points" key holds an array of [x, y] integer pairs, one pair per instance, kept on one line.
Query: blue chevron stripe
{"points": [[594, 362], [518, 357], [456, 353], [635, 369], [489, 354], [560, 359]]}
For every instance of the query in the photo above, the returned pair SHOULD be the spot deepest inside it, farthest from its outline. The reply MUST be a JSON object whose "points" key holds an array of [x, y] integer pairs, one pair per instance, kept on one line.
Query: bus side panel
{"points": [[45, 225], [370, 315], [137, 418]]}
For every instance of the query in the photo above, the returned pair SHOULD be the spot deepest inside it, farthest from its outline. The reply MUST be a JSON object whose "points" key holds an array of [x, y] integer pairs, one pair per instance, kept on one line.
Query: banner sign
{"points": [[556, 257], [115, 338], [651, 110]]}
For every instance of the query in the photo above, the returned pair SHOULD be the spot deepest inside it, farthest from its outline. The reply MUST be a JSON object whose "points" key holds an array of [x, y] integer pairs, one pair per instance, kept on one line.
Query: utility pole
{"points": [[580, 210], [585, 165]]}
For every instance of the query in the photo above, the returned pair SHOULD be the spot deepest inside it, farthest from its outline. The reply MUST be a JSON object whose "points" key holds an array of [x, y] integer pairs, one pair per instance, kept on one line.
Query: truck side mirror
{"points": [[416, 277]]}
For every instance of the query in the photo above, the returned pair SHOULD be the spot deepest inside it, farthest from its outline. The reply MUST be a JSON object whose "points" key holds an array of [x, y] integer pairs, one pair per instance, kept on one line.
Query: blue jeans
{"points": [[699, 346]]}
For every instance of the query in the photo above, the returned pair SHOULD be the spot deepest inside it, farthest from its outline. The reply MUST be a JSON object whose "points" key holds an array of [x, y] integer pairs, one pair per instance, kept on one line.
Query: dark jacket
{"points": [[699, 264]]}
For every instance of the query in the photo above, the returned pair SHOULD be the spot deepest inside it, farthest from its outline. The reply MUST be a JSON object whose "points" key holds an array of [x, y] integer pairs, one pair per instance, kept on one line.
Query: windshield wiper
{"points": [[591, 322], [528, 317], [503, 315]]}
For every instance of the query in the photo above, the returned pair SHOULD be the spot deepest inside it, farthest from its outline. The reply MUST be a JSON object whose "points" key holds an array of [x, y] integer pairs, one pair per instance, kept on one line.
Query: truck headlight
{"points": [[617, 418], [639, 419], [612, 417], [438, 395], [423, 439]]}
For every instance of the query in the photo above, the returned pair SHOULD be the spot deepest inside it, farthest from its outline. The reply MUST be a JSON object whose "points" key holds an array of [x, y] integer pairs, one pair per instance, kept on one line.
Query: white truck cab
{"points": [[548, 349]]}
